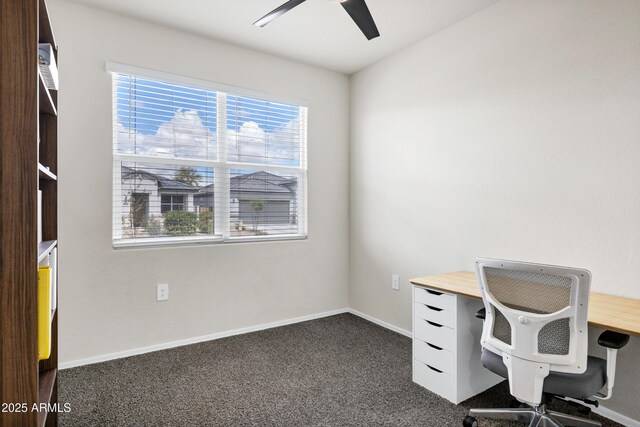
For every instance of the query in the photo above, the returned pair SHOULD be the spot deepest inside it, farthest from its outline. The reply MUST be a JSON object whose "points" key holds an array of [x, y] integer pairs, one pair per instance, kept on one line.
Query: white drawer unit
{"points": [[446, 345], [431, 332], [434, 298], [435, 314], [435, 380], [436, 357]]}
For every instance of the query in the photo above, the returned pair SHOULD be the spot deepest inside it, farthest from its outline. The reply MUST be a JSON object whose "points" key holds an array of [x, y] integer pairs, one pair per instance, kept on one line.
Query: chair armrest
{"points": [[610, 339], [482, 313]]}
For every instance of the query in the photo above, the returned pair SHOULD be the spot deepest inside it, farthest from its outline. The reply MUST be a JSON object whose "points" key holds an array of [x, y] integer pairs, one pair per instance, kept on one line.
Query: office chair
{"points": [[535, 334]]}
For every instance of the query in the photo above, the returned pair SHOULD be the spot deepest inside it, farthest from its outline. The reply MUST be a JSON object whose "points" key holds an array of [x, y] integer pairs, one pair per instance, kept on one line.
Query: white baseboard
{"points": [[616, 416], [194, 340], [380, 322]]}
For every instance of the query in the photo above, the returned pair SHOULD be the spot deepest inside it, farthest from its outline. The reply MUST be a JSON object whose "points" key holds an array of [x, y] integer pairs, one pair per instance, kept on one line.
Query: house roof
{"points": [[164, 183], [257, 182], [264, 182]]}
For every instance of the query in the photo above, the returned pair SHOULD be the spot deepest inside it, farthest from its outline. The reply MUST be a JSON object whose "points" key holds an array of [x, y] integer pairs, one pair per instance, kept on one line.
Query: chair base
{"points": [[535, 416]]}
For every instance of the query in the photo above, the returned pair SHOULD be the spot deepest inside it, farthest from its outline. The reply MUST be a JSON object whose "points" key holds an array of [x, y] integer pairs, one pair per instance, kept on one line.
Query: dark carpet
{"points": [[336, 371]]}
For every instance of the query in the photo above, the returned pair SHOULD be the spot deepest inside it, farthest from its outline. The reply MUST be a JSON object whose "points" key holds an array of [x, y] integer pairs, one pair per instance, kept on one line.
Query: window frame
{"points": [[221, 166]]}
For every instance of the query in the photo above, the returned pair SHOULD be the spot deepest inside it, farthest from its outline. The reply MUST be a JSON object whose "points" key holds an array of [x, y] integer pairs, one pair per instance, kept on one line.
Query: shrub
{"points": [[180, 223], [205, 222], [153, 225]]}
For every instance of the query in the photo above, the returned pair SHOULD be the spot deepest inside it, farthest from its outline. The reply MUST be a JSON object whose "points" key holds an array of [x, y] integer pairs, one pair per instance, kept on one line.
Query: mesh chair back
{"points": [[536, 293], [536, 312], [536, 319]]}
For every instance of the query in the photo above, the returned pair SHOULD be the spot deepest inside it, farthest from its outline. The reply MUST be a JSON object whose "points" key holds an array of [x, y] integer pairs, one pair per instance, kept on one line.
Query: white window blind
{"points": [[198, 163]]}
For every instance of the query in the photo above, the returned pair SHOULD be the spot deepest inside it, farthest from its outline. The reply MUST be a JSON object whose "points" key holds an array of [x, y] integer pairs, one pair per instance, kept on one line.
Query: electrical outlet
{"points": [[162, 292], [395, 282]]}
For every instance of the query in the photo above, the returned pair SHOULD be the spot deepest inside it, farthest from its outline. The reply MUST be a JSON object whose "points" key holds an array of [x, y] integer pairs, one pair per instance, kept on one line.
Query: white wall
{"points": [[107, 297], [512, 134]]}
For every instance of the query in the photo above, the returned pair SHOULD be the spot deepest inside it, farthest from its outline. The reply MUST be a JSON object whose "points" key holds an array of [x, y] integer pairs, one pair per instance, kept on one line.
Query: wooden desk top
{"points": [[605, 311]]}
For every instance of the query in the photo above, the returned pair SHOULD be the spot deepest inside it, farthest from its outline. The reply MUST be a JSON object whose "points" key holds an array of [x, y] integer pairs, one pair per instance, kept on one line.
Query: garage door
{"points": [[272, 212]]}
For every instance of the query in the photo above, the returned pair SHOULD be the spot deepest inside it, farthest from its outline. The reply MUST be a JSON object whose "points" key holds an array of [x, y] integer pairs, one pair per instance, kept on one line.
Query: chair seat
{"points": [[578, 386]]}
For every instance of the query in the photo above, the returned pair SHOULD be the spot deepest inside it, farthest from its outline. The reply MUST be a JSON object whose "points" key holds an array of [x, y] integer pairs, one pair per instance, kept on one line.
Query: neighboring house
{"points": [[146, 194], [256, 198]]}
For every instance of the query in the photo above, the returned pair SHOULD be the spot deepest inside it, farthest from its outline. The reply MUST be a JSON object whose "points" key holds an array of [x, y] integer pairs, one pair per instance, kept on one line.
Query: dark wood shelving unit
{"points": [[29, 162], [46, 386]]}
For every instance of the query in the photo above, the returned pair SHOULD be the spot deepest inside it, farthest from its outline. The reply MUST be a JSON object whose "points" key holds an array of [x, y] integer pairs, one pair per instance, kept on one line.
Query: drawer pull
{"points": [[434, 292], [434, 369], [434, 346], [433, 324], [433, 308]]}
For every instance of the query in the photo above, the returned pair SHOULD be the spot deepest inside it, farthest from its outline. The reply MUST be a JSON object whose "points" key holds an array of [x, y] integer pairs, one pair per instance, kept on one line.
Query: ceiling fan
{"points": [[357, 10]]}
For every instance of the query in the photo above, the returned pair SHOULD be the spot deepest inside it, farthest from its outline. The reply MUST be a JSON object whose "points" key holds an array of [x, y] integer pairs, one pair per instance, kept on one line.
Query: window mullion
{"points": [[118, 202], [301, 194], [221, 181], [140, 158]]}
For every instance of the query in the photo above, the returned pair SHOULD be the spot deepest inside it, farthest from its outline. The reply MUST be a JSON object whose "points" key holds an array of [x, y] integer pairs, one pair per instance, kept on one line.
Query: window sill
{"points": [[251, 239], [198, 241]]}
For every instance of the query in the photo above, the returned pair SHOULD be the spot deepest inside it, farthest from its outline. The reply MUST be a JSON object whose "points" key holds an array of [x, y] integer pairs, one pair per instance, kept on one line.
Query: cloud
{"points": [[185, 136]]}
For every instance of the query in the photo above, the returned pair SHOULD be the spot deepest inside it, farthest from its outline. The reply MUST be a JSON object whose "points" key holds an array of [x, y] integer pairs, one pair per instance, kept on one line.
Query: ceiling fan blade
{"points": [[359, 12], [278, 11]]}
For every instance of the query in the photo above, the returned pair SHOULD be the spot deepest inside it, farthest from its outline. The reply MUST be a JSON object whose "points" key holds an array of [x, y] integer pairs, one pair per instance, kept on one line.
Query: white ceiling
{"points": [[316, 32]]}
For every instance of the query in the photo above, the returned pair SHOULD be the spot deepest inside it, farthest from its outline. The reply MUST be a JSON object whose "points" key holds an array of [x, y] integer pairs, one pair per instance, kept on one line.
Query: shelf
{"points": [[45, 29], [46, 383], [45, 247], [45, 173], [47, 106]]}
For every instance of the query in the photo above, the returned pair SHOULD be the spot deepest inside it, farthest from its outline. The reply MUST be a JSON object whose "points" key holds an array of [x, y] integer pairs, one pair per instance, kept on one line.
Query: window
{"points": [[196, 161], [171, 202]]}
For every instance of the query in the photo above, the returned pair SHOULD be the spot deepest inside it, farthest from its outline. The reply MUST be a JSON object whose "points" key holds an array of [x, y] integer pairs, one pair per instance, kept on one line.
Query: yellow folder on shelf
{"points": [[44, 313]]}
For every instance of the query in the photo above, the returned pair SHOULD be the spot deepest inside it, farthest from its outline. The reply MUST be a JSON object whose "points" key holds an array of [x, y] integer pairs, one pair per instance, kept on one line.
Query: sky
{"points": [[167, 120]]}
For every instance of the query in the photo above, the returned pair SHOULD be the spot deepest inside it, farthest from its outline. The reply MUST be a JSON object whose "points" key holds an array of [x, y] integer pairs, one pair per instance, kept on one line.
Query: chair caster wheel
{"points": [[469, 421]]}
